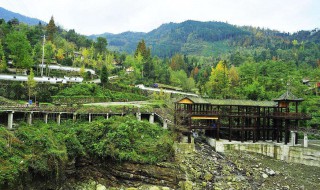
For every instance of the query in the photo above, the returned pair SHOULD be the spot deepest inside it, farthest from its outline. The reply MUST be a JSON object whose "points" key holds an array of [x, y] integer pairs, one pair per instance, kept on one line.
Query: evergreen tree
{"points": [[51, 29], [101, 45], [104, 76], [145, 52]]}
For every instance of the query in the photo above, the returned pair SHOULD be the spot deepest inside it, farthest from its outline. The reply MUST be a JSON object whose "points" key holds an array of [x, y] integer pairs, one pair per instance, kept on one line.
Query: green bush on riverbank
{"points": [[88, 93], [45, 149]]}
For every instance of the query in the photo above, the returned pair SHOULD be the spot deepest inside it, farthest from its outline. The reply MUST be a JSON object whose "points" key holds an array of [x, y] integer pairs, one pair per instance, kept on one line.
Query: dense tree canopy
{"points": [[232, 62], [101, 45], [20, 49]]}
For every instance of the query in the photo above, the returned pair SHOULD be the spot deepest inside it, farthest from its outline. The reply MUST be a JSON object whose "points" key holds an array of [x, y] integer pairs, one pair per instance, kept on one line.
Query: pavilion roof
{"points": [[288, 96], [196, 100], [242, 102]]}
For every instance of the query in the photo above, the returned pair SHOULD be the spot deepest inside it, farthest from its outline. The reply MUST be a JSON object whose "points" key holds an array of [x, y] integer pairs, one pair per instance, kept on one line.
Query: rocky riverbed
{"points": [[199, 169]]}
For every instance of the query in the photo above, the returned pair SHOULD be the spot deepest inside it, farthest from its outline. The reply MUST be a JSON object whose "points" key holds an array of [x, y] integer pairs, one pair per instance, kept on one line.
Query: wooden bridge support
{"points": [[10, 119]]}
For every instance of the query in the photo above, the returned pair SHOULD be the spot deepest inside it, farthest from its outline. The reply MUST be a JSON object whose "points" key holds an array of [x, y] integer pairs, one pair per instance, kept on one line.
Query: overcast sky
{"points": [[116, 16]]}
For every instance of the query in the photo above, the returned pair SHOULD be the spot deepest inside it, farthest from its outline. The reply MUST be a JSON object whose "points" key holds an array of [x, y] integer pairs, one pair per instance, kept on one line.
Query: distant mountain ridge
{"points": [[8, 15], [186, 37], [191, 37], [206, 38]]}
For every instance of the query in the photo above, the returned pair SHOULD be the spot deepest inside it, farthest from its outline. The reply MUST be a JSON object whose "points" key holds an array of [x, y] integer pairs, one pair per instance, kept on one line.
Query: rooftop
{"points": [[196, 100], [288, 96]]}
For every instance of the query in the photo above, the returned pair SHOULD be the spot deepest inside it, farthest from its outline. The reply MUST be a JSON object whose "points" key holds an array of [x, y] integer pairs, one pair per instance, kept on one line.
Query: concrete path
{"points": [[106, 104], [99, 81], [141, 86], [65, 68], [41, 79]]}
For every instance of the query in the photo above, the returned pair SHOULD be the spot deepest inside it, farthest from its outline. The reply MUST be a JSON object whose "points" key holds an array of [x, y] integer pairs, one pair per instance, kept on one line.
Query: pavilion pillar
{"points": [[45, 118], [10, 119], [138, 115], [286, 131], [305, 140], [59, 118], [242, 129], [90, 117], [151, 118], [29, 118], [230, 127], [278, 131]]}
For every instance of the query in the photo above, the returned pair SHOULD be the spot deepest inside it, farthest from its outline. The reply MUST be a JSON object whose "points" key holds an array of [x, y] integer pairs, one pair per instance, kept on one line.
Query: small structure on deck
{"points": [[240, 120]]}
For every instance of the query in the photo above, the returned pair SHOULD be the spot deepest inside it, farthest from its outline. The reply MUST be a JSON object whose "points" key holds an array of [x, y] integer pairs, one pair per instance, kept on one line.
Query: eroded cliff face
{"points": [[112, 174], [195, 167]]}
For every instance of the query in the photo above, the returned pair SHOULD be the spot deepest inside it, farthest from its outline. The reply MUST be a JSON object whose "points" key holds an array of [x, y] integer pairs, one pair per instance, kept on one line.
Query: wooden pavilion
{"points": [[240, 120]]}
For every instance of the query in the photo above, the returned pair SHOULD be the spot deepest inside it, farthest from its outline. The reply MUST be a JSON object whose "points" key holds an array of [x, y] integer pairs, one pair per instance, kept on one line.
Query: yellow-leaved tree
{"points": [[219, 83]]}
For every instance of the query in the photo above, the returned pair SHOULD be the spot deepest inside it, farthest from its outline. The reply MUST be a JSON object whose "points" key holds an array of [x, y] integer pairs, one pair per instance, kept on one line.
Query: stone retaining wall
{"points": [[288, 153]]}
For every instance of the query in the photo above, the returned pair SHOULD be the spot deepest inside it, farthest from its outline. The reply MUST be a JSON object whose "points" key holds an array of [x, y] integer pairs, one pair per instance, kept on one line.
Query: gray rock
{"points": [[286, 187], [264, 175], [270, 172]]}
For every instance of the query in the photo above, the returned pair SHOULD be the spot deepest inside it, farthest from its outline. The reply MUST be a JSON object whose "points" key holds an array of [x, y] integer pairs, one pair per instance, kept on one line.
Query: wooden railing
{"points": [[286, 115]]}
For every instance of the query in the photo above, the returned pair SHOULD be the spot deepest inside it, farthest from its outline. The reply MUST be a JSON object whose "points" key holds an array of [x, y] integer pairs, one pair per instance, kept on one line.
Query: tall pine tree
{"points": [[51, 29], [145, 52], [104, 76]]}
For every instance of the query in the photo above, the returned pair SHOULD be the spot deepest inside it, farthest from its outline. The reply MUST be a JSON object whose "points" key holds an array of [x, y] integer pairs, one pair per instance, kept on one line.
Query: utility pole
{"points": [[44, 39]]}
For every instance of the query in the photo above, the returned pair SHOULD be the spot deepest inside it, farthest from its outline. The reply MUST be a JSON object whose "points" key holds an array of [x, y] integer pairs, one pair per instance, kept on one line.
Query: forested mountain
{"points": [[126, 41], [8, 15], [207, 39], [189, 37]]}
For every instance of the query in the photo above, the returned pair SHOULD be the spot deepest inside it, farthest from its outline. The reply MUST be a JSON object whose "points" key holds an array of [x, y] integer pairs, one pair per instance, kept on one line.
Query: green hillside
{"points": [[208, 39], [189, 37]]}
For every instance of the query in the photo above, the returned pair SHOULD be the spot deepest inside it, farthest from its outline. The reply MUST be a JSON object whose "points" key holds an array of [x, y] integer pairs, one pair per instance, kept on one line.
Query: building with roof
{"points": [[240, 120]]}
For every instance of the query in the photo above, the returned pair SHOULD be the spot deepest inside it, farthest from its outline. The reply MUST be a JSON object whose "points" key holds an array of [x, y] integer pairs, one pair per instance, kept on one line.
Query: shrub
{"points": [[46, 148]]}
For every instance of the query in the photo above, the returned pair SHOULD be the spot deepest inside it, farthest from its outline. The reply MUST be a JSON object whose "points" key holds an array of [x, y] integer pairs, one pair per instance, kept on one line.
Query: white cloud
{"points": [[98, 16]]}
